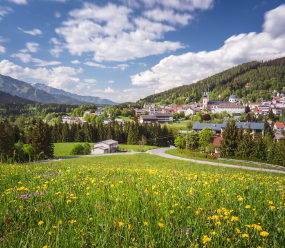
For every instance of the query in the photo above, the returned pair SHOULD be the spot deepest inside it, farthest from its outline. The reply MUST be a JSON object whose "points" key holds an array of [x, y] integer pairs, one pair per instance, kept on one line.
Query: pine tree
{"points": [[229, 142]]}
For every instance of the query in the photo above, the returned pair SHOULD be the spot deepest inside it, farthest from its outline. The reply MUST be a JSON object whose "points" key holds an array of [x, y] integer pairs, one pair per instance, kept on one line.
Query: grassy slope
{"points": [[64, 149], [135, 148], [174, 152], [138, 201]]}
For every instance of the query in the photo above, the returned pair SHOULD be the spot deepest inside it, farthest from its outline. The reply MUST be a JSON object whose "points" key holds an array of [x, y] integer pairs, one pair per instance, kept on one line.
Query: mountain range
{"points": [[45, 94]]}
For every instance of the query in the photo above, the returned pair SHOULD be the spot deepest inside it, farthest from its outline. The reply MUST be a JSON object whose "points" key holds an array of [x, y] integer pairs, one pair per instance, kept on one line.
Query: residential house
{"points": [[161, 118], [106, 146], [279, 126]]}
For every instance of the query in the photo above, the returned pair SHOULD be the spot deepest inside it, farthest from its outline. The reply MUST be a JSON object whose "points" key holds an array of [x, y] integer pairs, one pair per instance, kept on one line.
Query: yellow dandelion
{"points": [[145, 223], [160, 224], [206, 239], [244, 235], [40, 223], [60, 222], [129, 226], [247, 206], [264, 234], [68, 201], [272, 207], [218, 223], [234, 218], [171, 211], [90, 218], [121, 223], [238, 231], [54, 227], [49, 233], [240, 199]]}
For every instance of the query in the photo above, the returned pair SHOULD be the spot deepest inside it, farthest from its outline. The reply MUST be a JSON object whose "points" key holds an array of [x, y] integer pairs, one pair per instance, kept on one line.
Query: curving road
{"points": [[161, 152]]}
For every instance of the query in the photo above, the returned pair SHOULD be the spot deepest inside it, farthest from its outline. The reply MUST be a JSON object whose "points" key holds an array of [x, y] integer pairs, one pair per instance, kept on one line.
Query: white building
{"points": [[106, 146]]}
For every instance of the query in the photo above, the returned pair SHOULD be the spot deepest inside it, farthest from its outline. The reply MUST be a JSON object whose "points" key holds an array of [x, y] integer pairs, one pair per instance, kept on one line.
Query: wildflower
{"points": [[49, 233], [160, 224], [129, 226], [133, 239], [145, 223], [187, 230], [54, 227], [68, 201], [218, 223], [245, 235], [247, 206], [206, 239], [264, 234], [40, 223], [240, 198], [45, 246], [238, 231], [213, 233], [270, 202], [234, 218], [272, 207], [72, 221], [121, 223], [87, 194], [60, 222], [171, 211], [90, 218]]}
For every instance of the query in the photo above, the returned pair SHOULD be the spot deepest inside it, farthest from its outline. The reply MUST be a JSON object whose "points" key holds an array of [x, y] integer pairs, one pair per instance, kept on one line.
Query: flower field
{"points": [[139, 201]]}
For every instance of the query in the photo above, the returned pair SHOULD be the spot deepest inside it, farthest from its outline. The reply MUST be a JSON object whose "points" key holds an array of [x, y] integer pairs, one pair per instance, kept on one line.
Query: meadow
{"points": [[139, 200]]}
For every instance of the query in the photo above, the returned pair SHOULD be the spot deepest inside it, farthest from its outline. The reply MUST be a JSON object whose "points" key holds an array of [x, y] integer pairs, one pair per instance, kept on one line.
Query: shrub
{"points": [[79, 149], [197, 154]]}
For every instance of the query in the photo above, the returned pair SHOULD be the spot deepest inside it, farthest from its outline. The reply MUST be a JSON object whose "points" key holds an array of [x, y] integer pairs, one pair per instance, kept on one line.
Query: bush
{"points": [[79, 149]]}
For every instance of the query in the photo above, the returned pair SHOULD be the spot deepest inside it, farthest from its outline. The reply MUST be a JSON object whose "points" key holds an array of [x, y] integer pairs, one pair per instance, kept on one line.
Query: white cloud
{"points": [[24, 57], [75, 62], [189, 5], [109, 90], [60, 77], [2, 49], [33, 32], [92, 64], [32, 47], [168, 16], [57, 14], [42, 63], [111, 81], [18, 1], [119, 66], [113, 33], [190, 67], [90, 81], [4, 11]]}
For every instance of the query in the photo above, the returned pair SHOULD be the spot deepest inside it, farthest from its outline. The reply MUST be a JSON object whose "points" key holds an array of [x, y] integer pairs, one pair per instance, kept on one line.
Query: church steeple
{"points": [[206, 99]]}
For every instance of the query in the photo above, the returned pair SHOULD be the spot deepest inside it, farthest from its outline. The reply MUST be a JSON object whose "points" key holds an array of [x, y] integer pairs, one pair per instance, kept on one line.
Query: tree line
{"points": [[21, 145]]}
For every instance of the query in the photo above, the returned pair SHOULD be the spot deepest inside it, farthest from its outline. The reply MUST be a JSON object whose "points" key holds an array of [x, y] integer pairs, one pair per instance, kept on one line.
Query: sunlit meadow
{"points": [[139, 201]]}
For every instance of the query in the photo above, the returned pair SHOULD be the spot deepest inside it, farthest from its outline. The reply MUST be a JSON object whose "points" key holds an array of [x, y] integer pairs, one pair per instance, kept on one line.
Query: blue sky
{"points": [[124, 50]]}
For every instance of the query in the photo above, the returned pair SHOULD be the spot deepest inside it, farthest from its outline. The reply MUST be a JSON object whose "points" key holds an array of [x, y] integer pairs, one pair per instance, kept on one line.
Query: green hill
{"points": [[6, 98], [262, 78]]}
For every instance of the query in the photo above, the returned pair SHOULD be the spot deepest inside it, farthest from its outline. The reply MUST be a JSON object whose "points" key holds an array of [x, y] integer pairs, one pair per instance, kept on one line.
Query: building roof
{"points": [[279, 124], [109, 142], [148, 117], [233, 96], [230, 105], [163, 115], [200, 126], [218, 127]]}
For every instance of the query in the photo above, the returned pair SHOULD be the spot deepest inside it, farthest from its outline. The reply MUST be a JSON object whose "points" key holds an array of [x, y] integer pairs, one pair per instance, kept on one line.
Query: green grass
{"points": [[175, 152], [139, 200], [124, 118], [180, 125], [135, 148], [64, 149]]}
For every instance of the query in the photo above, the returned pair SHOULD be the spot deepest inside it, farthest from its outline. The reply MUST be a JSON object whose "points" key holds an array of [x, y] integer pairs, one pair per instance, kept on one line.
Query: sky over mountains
{"points": [[127, 49]]}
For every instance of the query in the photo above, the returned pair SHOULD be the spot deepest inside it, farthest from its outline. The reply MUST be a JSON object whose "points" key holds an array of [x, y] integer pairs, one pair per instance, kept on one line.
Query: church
{"points": [[232, 106]]}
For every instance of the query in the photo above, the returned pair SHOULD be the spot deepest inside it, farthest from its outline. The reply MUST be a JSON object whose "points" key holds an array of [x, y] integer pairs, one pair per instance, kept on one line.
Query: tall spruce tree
{"points": [[229, 142], [41, 140]]}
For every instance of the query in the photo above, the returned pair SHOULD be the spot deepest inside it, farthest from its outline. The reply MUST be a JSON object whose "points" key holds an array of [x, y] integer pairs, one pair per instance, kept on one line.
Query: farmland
{"points": [[139, 201]]}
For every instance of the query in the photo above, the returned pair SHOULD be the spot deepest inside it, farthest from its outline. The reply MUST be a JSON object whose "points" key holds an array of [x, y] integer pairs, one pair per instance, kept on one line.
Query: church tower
{"points": [[205, 99]]}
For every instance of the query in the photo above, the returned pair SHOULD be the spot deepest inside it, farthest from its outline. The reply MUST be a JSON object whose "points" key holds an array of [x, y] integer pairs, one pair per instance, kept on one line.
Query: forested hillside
{"points": [[6, 98], [261, 78]]}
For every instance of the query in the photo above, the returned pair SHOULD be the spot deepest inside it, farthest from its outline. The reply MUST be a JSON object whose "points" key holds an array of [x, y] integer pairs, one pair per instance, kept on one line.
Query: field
{"points": [[180, 125], [175, 152], [64, 149], [135, 148], [139, 200]]}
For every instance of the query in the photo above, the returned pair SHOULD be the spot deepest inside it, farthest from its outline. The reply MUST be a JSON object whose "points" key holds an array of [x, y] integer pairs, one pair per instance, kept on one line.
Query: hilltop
{"points": [[249, 81]]}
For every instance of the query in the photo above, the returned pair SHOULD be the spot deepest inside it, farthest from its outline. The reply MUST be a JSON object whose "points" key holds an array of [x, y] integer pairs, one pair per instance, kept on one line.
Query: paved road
{"points": [[161, 152]]}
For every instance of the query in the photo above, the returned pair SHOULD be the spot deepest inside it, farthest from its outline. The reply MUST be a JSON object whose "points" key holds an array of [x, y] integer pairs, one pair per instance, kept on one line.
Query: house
{"points": [[106, 146], [255, 127], [217, 143], [161, 118], [278, 136], [279, 126]]}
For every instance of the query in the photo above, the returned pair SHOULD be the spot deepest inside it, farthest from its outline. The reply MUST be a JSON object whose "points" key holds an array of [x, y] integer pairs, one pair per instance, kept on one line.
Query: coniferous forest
{"points": [[36, 141]]}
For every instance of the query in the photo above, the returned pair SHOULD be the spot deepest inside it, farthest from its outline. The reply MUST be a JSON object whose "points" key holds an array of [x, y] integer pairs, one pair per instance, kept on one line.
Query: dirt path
{"points": [[161, 152]]}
